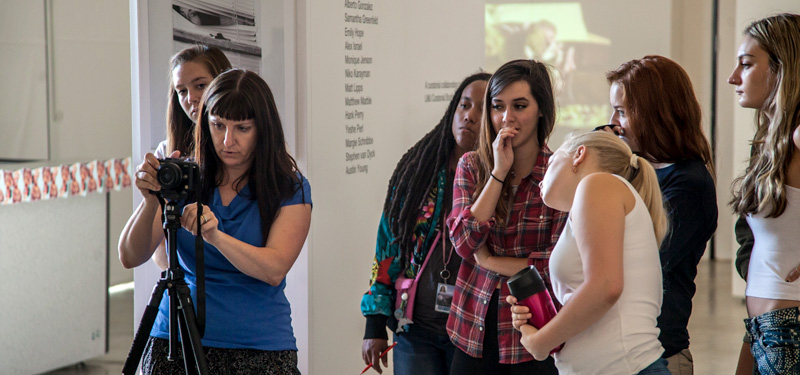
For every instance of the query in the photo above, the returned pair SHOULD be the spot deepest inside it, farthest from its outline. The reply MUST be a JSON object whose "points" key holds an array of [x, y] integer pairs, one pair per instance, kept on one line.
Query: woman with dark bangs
{"points": [[656, 112], [256, 217]]}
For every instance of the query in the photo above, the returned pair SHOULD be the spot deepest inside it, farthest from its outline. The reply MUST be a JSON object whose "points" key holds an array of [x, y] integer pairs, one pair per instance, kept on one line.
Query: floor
{"points": [[715, 327]]}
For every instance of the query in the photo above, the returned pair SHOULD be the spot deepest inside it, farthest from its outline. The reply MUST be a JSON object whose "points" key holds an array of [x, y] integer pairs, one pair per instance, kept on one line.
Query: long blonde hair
{"points": [[762, 185], [615, 157]]}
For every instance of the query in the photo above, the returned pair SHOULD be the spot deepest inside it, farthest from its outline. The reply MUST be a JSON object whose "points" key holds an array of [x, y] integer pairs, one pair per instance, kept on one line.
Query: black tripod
{"points": [[182, 318]]}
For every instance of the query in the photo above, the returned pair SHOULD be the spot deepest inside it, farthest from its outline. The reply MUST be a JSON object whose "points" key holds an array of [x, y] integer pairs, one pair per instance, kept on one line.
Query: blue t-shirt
{"points": [[241, 312]]}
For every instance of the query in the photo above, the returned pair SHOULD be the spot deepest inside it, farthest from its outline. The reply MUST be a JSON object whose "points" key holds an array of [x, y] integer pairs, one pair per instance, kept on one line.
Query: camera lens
{"points": [[169, 176]]}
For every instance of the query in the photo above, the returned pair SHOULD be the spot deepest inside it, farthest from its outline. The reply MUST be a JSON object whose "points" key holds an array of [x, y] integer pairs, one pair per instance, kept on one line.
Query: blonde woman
{"points": [[605, 267]]}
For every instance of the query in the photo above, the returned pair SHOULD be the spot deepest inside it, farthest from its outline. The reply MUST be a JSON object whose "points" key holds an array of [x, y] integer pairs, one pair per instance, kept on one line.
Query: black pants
{"points": [[464, 364]]}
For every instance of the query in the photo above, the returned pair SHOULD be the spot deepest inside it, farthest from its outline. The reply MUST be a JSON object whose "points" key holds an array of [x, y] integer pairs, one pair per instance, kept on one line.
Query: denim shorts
{"points": [[776, 341]]}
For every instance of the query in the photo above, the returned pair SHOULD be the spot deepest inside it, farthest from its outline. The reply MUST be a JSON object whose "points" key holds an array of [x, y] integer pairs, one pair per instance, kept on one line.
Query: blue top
{"points": [[241, 312], [690, 198]]}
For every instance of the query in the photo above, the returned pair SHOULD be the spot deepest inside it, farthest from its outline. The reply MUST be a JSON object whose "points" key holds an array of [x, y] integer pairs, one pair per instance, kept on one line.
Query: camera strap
{"points": [[200, 279], [200, 270]]}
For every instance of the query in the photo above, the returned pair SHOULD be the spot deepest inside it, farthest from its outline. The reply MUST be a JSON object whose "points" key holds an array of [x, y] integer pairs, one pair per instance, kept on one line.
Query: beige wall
{"points": [[90, 96]]}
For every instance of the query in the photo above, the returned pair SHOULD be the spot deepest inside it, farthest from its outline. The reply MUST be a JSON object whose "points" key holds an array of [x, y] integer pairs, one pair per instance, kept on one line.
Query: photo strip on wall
{"points": [[63, 181]]}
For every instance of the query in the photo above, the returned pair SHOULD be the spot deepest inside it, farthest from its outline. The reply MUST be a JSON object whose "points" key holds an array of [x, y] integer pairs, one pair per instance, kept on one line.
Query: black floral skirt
{"points": [[220, 361]]}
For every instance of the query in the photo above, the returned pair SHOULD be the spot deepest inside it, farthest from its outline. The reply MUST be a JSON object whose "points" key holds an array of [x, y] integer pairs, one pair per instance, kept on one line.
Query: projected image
{"points": [[556, 34], [230, 25]]}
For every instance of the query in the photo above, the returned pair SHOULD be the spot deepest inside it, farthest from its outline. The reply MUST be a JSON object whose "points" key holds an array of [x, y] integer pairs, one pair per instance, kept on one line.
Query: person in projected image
{"points": [[656, 112], [767, 195], [499, 224], [256, 216], [419, 196]]}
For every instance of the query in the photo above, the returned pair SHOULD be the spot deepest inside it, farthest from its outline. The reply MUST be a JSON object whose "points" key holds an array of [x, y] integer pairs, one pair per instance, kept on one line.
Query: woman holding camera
{"points": [[191, 70], [256, 217]]}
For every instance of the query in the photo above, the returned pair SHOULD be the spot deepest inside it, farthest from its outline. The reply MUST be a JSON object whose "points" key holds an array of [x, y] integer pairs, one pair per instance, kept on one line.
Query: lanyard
{"points": [[445, 273]]}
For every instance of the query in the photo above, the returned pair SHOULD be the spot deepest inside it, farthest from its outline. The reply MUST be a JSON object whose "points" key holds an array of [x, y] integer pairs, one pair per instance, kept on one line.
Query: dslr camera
{"points": [[177, 178]]}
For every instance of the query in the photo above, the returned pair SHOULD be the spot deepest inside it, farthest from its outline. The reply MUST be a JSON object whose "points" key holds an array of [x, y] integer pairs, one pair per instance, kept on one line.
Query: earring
{"points": [[574, 169]]}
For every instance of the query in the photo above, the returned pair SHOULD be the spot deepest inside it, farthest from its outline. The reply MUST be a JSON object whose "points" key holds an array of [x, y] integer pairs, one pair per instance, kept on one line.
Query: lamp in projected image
{"points": [[556, 34]]}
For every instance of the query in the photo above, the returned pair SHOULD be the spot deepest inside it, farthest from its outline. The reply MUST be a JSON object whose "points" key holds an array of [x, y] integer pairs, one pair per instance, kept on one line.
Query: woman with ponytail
{"points": [[605, 268]]}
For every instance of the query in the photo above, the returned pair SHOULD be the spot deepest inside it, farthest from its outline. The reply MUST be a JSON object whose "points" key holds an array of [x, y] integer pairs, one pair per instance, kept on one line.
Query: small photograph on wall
{"points": [[231, 25]]}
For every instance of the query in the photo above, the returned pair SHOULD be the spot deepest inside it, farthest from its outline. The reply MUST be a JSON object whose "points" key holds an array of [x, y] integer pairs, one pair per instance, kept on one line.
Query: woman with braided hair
{"points": [[413, 247]]}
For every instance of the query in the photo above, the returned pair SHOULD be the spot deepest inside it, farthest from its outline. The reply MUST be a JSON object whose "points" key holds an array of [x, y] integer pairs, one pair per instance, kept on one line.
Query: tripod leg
{"points": [[189, 354], [143, 332], [190, 336]]}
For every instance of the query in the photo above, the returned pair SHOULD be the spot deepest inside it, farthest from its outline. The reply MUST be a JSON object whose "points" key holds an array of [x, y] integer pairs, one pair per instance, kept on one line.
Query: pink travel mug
{"points": [[529, 289]]}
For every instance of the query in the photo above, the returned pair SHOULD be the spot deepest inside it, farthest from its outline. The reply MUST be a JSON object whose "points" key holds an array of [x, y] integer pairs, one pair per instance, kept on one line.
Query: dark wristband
{"points": [[495, 177]]}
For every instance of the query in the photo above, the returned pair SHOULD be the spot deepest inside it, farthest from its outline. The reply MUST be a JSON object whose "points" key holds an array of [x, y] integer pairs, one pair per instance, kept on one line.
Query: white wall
{"points": [[90, 115], [89, 94], [415, 42]]}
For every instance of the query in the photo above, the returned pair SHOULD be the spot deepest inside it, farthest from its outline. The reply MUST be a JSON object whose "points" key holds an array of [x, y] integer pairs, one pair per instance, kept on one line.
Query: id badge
{"points": [[444, 297]]}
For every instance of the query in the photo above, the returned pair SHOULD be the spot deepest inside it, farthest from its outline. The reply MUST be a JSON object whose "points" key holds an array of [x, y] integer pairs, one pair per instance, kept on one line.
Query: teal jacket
{"points": [[377, 305]]}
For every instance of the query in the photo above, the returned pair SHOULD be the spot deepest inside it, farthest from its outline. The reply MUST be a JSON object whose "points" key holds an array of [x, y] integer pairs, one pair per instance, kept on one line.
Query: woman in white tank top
{"points": [[767, 79], [605, 267]]}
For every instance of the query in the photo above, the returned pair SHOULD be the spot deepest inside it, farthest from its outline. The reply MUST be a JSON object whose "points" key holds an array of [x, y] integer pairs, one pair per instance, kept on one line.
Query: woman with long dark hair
{"points": [[499, 224], [257, 213], [190, 72], [413, 245]]}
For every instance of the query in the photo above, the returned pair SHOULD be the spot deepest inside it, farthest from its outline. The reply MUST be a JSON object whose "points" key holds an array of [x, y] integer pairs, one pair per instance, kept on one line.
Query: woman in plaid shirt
{"points": [[499, 223]]}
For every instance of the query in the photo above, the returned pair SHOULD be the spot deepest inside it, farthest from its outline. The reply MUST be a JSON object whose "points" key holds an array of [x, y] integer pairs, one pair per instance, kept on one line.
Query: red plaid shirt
{"points": [[531, 231]]}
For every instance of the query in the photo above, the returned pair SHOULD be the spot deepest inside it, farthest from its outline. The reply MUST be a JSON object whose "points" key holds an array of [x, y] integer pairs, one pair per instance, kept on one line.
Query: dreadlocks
{"points": [[415, 173]]}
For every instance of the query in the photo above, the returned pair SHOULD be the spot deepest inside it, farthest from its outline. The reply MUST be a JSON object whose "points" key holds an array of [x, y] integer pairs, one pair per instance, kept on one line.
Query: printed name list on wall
{"points": [[359, 19], [63, 181]]}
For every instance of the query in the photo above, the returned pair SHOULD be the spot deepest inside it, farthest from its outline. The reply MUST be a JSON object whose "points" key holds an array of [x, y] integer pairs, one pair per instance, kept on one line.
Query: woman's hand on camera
{"points": [[146, 179], [208, 221], [503, 152], [145, 176]]}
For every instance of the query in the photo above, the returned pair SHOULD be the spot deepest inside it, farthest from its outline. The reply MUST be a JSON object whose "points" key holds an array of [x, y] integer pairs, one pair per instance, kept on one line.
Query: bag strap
{"points": [[427, 257]]}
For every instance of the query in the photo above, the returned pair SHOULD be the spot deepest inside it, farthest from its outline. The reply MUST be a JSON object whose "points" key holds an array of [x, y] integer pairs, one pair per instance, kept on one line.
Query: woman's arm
{"points": [[598, 222], [377, 304], [160, 256], [484, 207], [142, 233], [506, 266], [270, 263], [467, 233]]}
